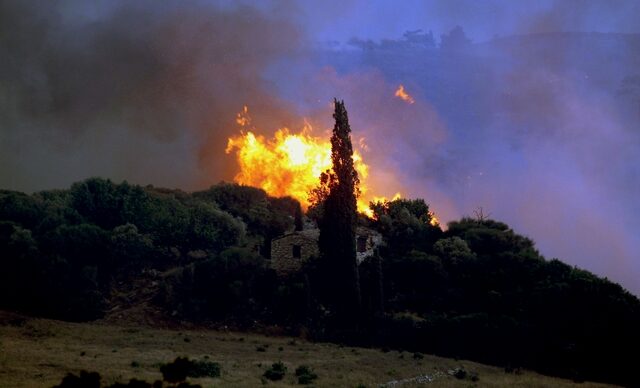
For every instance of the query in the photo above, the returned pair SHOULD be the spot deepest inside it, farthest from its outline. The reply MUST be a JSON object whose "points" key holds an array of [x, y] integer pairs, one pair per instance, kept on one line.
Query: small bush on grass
{"points": [[176, 371], [305, 375], [276, 372], [182, 368], [459, 373], [205, 369]]}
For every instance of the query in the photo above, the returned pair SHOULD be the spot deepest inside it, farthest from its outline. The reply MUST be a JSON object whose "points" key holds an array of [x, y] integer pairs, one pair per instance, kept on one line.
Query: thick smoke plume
{"points": [[144, 91]]}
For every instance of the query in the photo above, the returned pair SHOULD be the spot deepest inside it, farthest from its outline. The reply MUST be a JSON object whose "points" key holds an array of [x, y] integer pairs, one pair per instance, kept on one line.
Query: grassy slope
{"points": [[38, 353]]}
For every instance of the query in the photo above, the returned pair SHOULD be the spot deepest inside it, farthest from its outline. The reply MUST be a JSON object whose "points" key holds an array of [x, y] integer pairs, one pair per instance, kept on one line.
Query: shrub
{"points": [[276, 372], [460, 373], [204, 369], [176, 371], [85, 380], [305, 375], [182, 368]]}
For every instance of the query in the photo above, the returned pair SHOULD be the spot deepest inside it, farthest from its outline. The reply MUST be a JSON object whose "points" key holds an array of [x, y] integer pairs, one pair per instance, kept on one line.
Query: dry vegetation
{"points": [[39, 352]]}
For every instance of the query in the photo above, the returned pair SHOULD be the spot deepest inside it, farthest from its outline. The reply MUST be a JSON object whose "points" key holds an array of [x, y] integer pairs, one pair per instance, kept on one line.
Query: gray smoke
{"points": [[144, 91]]}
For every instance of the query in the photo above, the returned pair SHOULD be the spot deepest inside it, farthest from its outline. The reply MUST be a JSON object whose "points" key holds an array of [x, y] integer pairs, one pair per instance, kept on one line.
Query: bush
{"points": [[276, 372], [85, 380], [460, 373], [305, 375], [177, 370], [204, 369], [182, 368]]}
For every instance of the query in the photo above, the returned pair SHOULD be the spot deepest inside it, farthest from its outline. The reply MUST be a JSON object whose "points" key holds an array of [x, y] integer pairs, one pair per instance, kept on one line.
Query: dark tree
{"points": [[297, 221], [337, 225], [455, 40]]}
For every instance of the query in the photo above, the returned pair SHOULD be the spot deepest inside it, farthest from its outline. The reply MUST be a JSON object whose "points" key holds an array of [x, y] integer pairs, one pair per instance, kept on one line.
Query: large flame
{"points": [[291, 164]]}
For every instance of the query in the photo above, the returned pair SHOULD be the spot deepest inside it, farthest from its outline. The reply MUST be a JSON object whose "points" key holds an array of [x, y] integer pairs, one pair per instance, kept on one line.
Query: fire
{"points": [[434, 220], [402, 94], [289, 163]]}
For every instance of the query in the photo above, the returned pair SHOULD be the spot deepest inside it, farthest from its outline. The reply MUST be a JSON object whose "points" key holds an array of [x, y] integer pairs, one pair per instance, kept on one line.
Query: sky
{"points": [[540, 129], [482, 20]]}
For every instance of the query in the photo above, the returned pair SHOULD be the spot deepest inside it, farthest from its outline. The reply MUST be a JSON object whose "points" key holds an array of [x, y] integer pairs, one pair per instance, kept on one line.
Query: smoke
{"points": [[539, 129], [141, 91]]}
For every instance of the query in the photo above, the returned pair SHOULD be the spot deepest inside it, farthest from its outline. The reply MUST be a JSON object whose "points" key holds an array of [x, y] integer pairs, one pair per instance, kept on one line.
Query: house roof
{"points": [[312, 234]]}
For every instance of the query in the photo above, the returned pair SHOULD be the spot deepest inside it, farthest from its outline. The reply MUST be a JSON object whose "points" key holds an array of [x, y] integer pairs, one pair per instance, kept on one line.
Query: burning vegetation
{"points": [[291, 163]]}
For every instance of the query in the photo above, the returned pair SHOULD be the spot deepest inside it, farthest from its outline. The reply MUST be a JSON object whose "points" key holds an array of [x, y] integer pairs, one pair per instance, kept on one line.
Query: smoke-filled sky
{"points": [[530, 111]]}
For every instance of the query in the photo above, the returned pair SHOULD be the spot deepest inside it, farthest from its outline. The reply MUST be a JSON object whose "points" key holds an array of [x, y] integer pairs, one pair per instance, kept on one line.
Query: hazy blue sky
{"points": [[482, 20]]}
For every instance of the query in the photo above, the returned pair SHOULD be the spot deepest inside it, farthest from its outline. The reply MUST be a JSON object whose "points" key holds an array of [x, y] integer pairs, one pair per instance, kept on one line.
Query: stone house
{"points": [[290, 251]]}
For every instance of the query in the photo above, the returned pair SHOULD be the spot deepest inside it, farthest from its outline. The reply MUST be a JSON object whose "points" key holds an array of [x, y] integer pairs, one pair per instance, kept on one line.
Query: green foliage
{"points": [[229, 283], [20, 208], [72, 243], [406, 225], [106, 204], [453, 250], [213, 229], [204, 368], [490, 237], [263, 215], [169, 218], [305, 375], [276, 371], [129, 246]]}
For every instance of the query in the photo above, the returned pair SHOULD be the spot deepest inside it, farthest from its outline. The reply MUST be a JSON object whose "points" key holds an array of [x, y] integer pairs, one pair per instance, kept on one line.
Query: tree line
{"points": [[477, 290]]}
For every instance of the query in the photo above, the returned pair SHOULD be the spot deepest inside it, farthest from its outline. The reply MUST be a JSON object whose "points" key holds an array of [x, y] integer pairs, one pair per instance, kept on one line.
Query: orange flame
{"points": [[403, 95], [434, 220], [290, 164]]}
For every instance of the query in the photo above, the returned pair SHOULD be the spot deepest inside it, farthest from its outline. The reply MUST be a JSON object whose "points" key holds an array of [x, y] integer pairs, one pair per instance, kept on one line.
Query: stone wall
{"points": [[284, 262], [373, 240], [282, 259]]}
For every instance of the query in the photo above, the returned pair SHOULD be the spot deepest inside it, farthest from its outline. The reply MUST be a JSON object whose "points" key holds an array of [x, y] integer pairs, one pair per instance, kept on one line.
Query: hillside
{"points": [[156, 257], [39, 352]]}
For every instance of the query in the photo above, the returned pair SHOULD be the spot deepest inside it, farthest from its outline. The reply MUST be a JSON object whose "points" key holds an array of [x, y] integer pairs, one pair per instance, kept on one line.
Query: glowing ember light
{"points": [[402, 94], [434, 220], [243, 118], [289, 164]]}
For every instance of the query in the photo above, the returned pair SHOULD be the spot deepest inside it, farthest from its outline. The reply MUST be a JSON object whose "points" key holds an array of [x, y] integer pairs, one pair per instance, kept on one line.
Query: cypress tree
{"points": [[297, 221], [338, 226]]}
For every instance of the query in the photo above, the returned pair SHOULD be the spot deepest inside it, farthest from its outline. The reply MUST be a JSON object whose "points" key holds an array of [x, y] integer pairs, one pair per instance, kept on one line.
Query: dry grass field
{"points": [[39, 352]]}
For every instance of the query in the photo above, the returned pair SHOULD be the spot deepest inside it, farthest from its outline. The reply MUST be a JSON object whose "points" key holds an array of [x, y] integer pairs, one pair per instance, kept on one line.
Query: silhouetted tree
{"points": [[337, 225], [456, 39]]}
